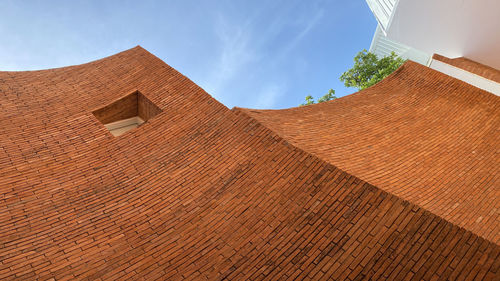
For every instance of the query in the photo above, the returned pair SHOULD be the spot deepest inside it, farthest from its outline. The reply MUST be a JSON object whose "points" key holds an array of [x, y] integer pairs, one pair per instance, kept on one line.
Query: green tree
{"points": [[329, 96], [368, 69], [309, 100]]}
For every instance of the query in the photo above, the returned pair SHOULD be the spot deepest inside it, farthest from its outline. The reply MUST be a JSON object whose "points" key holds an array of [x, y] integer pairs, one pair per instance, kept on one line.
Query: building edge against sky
{"points": [[450, 28], [383, 46]]}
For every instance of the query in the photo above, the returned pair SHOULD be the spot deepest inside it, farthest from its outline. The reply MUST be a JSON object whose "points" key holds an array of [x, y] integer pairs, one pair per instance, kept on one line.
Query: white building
{"points": [[417, 29], [383, 46]]}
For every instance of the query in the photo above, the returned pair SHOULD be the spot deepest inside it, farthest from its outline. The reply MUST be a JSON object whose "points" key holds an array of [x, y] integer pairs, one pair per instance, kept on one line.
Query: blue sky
{"points": [[256, 54]]}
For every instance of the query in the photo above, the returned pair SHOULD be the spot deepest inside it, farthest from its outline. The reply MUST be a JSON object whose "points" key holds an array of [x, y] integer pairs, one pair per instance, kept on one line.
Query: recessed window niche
{"points": [[126, 113]]}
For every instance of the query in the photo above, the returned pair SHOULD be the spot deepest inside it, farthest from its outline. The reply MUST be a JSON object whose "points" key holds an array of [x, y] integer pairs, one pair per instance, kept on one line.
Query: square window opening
{"points": [[127, 113]]}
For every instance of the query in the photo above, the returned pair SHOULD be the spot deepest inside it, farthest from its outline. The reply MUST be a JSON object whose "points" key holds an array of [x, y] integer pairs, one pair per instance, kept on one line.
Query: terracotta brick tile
{"points": [[413, 135], [203, 192]]}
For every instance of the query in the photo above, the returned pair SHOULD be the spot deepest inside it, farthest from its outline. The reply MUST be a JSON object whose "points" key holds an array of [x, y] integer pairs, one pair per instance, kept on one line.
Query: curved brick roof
{"points": [[419, 134], [198, 191]]}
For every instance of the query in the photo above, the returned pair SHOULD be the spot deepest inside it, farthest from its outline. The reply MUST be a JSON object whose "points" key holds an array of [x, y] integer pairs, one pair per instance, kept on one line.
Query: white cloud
{"points": [[235, 54], [248, 48], [269, 96], [307, 26]]}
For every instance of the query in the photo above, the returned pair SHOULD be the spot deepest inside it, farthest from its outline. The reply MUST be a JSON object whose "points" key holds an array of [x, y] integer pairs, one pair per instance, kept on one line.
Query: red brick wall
{"points": [[419, 134], [146, 108], [199, 193]]}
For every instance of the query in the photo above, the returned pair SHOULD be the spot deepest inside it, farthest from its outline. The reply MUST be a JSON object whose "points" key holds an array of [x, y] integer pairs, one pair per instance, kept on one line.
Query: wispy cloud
{"points": [[235, 53], [269, 96], [245, 53], [249, 45], [306, 27]]}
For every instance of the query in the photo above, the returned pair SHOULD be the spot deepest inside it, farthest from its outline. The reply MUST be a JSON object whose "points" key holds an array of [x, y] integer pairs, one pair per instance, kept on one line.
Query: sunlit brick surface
{"points": [[419, 134], [203, 192]]}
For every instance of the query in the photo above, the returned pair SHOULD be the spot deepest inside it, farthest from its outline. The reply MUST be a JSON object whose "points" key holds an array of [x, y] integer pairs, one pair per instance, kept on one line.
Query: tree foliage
{"points": [[309, 100], [329, 96], [368, 69]]}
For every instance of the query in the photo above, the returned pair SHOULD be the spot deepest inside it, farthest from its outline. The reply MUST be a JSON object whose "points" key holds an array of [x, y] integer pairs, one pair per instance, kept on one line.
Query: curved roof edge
{"points": [[133, 49], [348, 132]]}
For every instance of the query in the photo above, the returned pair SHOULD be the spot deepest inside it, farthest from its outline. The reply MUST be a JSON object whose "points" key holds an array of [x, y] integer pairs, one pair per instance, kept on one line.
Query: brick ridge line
{"points": [[238, 110]]}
